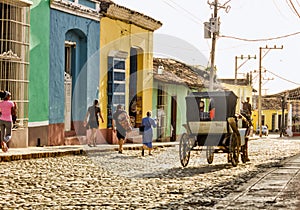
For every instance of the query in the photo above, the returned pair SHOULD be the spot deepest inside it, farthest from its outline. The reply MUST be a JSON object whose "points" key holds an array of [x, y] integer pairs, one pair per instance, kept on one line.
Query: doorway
{"points": [[135, 98], [75, 81], [173, 118]]}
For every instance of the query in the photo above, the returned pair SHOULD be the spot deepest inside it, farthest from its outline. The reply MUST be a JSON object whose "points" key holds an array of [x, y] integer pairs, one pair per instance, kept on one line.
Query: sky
{"points": [[253, 24]]}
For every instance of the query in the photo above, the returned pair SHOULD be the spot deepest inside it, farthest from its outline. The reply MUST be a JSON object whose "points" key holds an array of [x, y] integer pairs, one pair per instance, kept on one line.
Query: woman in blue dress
{"points": [[148, 122]]}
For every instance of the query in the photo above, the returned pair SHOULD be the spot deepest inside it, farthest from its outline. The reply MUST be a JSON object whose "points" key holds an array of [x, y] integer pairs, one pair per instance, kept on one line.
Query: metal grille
{"points": [[14, 54]]}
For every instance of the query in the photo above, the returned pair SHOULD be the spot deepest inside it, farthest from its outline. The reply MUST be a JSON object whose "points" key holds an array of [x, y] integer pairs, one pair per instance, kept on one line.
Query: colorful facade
{"points": [[173, 81], [126, 40], [65, 68], [242, 90], [14, 62]]}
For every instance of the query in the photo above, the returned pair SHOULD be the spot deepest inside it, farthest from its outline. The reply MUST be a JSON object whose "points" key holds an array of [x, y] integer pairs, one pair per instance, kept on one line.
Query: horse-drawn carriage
{"points": [[214, 127]]}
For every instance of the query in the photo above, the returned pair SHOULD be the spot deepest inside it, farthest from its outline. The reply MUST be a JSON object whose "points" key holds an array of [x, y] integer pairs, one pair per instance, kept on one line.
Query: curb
{"points": [[62, 151], [27, 156]]}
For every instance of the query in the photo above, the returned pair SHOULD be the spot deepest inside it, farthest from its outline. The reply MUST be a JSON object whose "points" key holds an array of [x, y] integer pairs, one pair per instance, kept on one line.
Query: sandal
{"points": [[4, 146]]}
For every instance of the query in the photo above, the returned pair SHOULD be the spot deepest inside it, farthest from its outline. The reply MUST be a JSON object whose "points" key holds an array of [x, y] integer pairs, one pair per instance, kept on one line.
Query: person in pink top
{"points": [[6, 109]]}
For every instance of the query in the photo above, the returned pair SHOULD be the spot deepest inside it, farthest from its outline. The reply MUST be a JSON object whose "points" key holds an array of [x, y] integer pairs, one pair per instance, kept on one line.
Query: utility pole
{"points": [[260, 81], [283, 102], [213, 47], [214, 27], [237, 67]]}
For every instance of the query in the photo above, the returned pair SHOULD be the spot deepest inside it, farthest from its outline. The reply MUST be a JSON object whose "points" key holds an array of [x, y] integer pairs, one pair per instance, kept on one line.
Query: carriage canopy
{"points": [[224, 103]]}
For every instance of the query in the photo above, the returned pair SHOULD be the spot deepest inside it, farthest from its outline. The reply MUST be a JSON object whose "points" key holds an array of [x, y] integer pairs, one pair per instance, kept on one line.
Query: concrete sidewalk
{"points": [[53, 151]]}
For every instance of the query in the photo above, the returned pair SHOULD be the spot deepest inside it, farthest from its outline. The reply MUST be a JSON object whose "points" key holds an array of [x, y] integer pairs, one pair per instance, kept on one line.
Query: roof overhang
{"points": [[76, 9], [114, 11]]}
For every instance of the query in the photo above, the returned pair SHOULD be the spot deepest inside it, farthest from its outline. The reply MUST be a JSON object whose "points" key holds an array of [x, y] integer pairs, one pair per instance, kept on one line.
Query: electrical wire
{"points": [[188, 12], [260, 40], [278, 9], [294, 8], [291, 8], [276, 75], [194, 18]]}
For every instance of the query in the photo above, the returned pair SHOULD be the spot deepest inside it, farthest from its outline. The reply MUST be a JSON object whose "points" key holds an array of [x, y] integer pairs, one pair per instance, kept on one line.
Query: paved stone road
{"points": [[128, 181], [277, 188]]}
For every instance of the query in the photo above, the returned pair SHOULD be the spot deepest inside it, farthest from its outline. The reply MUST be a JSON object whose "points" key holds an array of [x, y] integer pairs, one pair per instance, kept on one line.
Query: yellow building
{"points": [[242, 90], [126, 62], [271, 113]]}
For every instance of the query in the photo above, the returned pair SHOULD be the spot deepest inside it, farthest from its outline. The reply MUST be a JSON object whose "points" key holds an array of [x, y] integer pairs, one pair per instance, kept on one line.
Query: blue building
{"points": [[65, 68]]}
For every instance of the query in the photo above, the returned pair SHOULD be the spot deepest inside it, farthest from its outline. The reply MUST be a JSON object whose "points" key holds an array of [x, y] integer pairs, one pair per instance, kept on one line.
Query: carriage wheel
{"points": [[184, 149], [234, 150], [210, 154]]}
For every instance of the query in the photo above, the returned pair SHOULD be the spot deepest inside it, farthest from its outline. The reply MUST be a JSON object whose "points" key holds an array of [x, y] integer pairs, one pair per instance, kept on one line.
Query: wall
{"points": [[241, 92], [39, 71], [119, 36], [180, 91], [268, 118], [61, 23]]}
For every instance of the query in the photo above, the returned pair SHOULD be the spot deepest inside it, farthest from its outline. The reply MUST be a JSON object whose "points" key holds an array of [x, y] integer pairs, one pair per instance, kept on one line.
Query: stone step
{"points": [[75, 140]]}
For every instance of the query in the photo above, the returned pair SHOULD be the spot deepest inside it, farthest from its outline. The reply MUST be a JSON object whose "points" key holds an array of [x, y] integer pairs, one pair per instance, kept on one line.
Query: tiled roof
{"points": [[293, 94], [115, 11], [176, 72], [268, 102]]}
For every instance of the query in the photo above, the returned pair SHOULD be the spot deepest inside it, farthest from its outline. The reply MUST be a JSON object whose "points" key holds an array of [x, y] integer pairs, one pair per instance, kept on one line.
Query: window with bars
{"points": [[116, 85], [14, 54]]}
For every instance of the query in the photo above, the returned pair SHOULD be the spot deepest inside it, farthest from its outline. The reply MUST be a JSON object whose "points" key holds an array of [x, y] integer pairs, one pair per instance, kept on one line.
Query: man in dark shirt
{"points": [[247, 109], [121, 124]]}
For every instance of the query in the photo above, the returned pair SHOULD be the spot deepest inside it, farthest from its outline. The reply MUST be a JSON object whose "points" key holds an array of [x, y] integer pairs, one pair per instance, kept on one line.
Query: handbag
{"points": [[141, 129]]}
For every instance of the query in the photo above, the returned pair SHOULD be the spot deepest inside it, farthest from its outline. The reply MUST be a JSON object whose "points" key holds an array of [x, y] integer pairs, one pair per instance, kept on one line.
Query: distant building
{"points": [[242, 89]]}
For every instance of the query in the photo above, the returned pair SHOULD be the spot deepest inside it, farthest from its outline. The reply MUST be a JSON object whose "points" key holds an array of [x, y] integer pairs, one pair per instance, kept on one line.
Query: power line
{"points": [[278, 9], [290, 6], [276, 75], [188, 12], [294, 8], [260, 40], [194, 17]]}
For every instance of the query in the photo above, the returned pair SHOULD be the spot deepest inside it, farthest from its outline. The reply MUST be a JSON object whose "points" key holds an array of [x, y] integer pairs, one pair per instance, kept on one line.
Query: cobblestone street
{"points": [[109, 180]]}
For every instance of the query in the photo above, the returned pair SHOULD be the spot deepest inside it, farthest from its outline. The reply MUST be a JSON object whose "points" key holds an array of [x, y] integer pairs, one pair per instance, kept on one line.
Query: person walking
{"points": [[247, 112], [148, 123], [121, 124], [91, 122], [7, 107]]}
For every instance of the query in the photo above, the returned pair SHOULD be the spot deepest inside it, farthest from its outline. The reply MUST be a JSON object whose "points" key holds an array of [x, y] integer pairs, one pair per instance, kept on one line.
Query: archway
{"points": [[75, 63]]}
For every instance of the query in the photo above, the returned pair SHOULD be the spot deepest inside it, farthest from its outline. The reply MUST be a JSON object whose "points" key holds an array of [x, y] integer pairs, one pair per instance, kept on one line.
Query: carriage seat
{"points": [[206, 127]]}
